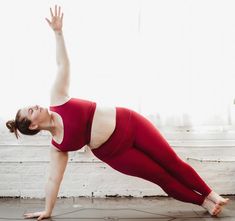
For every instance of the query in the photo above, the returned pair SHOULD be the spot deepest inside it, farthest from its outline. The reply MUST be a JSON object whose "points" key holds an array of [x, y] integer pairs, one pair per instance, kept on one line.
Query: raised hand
{"points": [[56, 21], [39, 215]]}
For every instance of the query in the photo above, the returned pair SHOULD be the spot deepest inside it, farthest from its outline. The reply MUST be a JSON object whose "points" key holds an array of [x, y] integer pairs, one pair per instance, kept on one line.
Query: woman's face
{"points": [[35, 114]]}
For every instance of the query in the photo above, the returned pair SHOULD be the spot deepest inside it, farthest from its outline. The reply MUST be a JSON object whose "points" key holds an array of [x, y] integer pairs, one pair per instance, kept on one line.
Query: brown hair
{"points": [[21, 124]]}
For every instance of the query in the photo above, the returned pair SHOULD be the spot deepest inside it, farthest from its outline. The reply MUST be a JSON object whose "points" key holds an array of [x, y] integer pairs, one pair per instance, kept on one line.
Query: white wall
{"points": [[24, 167]]}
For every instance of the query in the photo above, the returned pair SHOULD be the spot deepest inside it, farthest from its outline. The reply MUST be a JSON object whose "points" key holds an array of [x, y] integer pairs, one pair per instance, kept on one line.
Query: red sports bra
{"points": [[77, 115]]}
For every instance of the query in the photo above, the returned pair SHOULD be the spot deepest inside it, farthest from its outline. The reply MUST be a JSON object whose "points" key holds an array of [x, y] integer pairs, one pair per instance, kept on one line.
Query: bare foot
{"points": [[213, 208], [213, 196]]}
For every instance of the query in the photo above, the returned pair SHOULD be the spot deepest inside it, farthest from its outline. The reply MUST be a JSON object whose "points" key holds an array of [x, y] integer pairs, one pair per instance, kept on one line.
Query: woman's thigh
{"points": [[133, 162], [148, 139]]}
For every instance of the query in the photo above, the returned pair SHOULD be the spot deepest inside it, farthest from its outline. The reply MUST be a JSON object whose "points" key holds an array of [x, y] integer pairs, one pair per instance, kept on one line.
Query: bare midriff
{"points": [[103, 125]]}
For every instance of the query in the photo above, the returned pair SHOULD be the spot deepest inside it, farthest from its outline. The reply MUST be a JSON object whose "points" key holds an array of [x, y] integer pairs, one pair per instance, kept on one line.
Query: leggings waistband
{"points": [[121, 133]]}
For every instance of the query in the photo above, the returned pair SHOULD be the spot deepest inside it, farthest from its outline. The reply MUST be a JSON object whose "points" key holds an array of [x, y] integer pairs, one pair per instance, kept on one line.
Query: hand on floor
{"points": [[39, 215]]}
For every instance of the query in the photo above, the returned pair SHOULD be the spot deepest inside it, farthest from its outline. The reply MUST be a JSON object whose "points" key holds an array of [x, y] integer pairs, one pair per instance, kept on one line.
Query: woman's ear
{"points": [[33, 126]]}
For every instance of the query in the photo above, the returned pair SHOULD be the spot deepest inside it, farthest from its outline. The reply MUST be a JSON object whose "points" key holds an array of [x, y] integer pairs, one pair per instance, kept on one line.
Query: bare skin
{"points": [[43, 119], [213, 208], [214, 203], [219, 200]]}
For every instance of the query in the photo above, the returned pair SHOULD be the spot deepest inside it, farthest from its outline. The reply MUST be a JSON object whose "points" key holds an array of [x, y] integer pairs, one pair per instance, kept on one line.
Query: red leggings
{"points": [[137, 148]]}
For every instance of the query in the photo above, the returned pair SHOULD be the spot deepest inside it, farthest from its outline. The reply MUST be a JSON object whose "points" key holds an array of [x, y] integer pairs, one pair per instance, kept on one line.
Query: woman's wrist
{"points": [[49, 213], [60, 32]]}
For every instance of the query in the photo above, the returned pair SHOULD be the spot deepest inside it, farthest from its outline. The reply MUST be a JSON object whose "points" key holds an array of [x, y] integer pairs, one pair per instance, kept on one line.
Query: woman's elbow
{"points": [[64, 63], [56, 180]]}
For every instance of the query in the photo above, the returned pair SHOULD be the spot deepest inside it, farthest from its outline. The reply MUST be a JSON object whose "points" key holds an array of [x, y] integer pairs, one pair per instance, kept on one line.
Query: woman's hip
{"points": [[121, 136]]}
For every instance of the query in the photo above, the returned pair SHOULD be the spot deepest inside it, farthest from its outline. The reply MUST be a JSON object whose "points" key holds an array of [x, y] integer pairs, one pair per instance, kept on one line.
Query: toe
{"points": [[214, 211], [218, 212], [222, 202]]}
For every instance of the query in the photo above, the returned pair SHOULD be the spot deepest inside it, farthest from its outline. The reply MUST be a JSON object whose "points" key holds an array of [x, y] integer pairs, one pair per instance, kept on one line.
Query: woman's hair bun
{"points": [[11, 125]]}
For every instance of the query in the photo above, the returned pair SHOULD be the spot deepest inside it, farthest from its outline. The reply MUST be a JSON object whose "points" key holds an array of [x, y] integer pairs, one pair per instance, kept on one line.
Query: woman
{"points": [[128, 142]]}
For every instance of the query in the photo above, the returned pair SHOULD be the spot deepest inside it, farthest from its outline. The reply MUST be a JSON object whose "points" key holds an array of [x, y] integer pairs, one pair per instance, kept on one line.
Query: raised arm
{"points": [[58, 164], [60, 88]]}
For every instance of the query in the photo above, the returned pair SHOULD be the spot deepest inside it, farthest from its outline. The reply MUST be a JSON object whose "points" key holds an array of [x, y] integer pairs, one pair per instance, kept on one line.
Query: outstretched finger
{"points": [[40, 217], [59, 11], [55, 10], [51, 12], [29, 215], [48, 21], [62, 17]]}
